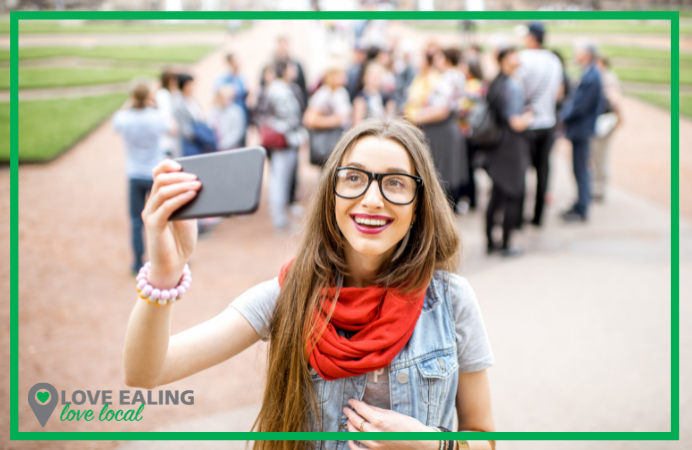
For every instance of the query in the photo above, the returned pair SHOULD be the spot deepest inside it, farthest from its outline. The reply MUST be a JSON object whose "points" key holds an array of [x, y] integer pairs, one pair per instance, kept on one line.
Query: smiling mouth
{"points": [[371, 225]]}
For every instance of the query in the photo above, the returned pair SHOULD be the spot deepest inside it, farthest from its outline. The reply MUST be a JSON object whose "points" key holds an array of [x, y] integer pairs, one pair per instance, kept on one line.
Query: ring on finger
{"points": [[361, 425]]}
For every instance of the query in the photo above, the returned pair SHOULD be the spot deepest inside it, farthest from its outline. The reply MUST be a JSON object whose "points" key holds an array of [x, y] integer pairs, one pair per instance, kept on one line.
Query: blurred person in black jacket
{"points": [[507, 163]]}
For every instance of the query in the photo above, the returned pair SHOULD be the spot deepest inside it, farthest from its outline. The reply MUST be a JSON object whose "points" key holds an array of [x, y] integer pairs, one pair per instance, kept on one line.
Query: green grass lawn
{"points": [[653, 75], [640, 74], [611, 26], [102, 26], [581, 26], [612, 51], [56, 77], [641, 53], [639, 65], [180, 54], [663, 101], [648, 63], [48, 127]]}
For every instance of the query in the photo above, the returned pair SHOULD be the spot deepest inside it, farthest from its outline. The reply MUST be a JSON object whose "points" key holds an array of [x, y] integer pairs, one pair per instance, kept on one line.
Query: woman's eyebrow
{"points": [[397, 170], [389, 169]]}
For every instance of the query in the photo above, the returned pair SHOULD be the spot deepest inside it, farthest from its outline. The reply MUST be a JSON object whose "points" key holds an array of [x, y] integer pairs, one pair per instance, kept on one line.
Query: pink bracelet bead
{"points": [[162, 297]]}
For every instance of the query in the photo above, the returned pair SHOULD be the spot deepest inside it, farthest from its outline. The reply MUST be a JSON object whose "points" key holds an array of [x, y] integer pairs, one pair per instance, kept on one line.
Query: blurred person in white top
{"points": [[330, 105], [540, 73], [141, 127], [164, 103]]}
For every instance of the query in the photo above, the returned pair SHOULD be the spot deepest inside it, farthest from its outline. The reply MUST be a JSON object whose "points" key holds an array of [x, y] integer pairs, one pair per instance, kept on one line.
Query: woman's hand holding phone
{"points": [[169, 243]]}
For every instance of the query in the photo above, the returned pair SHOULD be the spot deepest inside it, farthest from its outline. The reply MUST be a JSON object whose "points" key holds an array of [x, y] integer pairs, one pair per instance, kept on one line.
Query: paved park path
{"points": [[580, 325]]}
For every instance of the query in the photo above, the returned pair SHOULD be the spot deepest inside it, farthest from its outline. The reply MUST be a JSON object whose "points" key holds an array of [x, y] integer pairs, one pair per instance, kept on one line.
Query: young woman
{"points": [[227, 119], [142, 128], [369, 103], [187, 111], [330, 106], [284, 117], [474, 92], [164, 103], [328, 114], [437, 118], [507, 164], [369, 327]]}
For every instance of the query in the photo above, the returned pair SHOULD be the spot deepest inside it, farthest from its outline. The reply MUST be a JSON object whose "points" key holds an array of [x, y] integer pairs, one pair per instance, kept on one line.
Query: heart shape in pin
{"points": [[43, 396]]}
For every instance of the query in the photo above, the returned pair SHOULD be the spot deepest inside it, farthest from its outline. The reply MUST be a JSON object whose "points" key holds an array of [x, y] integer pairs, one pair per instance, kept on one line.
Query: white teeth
{"points": [[371, 222]]}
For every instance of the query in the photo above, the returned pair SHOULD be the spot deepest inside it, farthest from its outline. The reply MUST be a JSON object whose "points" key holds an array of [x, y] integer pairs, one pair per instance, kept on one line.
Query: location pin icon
{"points": [[43, 403]]}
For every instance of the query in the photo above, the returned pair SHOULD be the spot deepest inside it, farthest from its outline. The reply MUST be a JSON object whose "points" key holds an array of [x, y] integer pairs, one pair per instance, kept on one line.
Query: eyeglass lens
{"points": [[396, 188]]}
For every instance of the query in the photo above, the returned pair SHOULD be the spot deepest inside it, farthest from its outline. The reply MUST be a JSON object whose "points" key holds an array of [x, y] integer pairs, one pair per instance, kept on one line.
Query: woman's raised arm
{"points": [[151, 356]]}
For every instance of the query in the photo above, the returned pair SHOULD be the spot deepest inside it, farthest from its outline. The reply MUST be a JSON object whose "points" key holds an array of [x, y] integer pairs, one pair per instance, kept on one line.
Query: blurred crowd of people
{"points": [[502, 124]]}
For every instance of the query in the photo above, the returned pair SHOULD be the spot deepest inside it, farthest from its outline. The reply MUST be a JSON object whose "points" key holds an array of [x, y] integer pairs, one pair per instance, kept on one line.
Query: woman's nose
{"points": [[373, 197]]}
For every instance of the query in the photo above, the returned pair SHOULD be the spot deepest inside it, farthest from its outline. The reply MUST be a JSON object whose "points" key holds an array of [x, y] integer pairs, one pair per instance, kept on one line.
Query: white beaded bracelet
{"points": [[161, 297]]}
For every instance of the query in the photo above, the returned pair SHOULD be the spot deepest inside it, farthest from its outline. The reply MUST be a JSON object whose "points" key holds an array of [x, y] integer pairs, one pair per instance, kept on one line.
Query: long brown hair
{"points": [[433, 244]]}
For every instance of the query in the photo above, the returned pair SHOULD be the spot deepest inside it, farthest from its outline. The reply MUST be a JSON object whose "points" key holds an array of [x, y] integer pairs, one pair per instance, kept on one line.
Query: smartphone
{"points": [[231, 183]]}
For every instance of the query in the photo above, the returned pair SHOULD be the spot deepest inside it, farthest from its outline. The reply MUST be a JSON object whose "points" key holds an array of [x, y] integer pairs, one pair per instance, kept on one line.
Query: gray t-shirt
{"points": [[473, 347]]}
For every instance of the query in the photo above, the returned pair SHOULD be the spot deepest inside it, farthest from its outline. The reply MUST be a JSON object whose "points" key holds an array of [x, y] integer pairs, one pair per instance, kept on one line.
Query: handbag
{"points": [[605, 124], [485, 119], [322, 143], [272, 139], [485, 131]]}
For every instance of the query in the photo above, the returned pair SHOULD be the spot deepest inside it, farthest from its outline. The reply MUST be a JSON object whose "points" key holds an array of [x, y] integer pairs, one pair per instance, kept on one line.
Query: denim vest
{"points": [[423, 377]]}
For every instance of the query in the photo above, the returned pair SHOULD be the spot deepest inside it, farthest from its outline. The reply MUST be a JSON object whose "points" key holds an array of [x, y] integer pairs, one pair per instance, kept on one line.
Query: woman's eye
{"points": [[354, 178], [395, 183]]}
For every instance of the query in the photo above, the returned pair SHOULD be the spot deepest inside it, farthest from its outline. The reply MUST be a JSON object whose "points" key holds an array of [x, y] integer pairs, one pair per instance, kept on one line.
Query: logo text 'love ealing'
{"points": [[43, 398]]}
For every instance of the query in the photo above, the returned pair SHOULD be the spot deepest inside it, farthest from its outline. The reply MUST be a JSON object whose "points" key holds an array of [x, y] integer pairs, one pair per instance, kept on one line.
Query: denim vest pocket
{"points": [[435, 377], [320, 386]]}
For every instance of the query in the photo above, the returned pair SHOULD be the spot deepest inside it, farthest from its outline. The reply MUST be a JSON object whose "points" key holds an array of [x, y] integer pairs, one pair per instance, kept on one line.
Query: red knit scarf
{"points": [[382, 319]]}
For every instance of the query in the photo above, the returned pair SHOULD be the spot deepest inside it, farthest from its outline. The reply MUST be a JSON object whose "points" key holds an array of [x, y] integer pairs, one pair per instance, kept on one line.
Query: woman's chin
{"points": [[371, 249]]}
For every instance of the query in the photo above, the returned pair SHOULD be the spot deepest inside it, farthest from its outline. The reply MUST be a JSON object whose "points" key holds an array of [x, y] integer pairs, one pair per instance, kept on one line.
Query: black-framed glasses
{"points": [[396, 188]]}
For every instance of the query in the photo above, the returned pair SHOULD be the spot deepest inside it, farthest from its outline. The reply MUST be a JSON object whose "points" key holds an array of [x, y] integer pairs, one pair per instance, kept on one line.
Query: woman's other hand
{"points": [[378, 419], [170, 243]]}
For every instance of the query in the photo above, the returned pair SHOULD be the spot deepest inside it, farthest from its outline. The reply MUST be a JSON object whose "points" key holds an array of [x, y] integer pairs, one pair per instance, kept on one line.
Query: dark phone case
{"points": [[231, 183]]}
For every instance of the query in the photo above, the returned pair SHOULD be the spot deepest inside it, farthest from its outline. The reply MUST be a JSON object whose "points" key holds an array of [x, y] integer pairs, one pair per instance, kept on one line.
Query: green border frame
{"points": [[673, 16]]}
